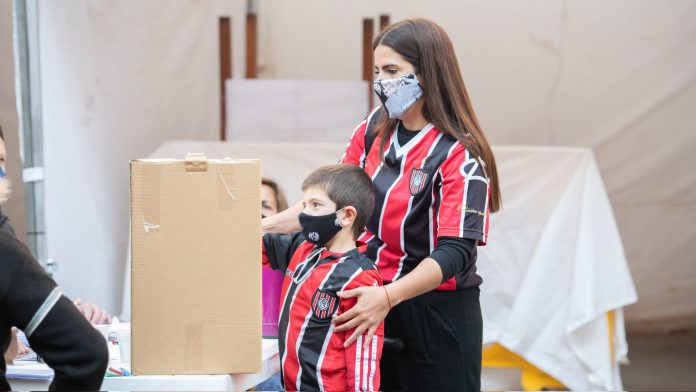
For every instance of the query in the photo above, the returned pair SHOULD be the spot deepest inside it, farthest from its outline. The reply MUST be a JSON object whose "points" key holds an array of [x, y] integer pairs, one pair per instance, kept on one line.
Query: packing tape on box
{"points": [[151, 188], [227, 186]]}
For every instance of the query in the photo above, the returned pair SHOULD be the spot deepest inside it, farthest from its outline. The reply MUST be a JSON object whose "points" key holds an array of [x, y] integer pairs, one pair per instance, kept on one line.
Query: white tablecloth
{"points": [[219, 382], [555, 266]]}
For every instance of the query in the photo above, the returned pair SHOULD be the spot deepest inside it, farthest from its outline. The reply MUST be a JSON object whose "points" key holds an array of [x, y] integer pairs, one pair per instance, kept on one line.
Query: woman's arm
{"points": [[373, 304], [283, 222]]}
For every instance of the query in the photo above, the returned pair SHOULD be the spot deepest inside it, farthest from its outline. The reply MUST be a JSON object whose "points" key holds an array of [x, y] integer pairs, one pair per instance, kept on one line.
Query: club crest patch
{"points": [[324, 304], [417, 181]]}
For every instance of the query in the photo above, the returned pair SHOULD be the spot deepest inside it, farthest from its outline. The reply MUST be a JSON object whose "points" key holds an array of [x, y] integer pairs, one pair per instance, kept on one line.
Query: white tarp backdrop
{"points": [[619, 77]]}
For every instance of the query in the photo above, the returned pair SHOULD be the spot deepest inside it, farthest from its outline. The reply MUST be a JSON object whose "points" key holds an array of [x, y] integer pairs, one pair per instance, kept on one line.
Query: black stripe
{"points": [[373, 246], [370, 135], [386, 177], [417, 225], [474, 213], [284, 320], [317, 329]]}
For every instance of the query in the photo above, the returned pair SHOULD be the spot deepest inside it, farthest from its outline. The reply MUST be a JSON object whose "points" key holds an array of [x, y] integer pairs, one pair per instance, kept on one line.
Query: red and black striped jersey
{"points": [[311, 351], [430, 187]]}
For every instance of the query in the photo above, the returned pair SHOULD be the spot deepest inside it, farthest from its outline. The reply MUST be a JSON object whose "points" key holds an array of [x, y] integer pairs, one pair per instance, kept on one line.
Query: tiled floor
{"points": [[661, 363]]}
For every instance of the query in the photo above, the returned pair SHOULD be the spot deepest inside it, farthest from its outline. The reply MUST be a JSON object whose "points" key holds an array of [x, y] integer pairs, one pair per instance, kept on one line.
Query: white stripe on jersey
{"points": [[464, 194], [468, 177], [403, 150], [408, 211], [329, 334], [365, 366], [358, 353], [373, 363], [485, 220], [292, 303], [386, 202], [306, 321], [366, 121]]}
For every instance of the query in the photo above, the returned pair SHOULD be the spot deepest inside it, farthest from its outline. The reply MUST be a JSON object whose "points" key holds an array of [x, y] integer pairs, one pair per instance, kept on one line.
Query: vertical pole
{"points": [[225, 27], [251, 46], [368, 36], [383, 21]]}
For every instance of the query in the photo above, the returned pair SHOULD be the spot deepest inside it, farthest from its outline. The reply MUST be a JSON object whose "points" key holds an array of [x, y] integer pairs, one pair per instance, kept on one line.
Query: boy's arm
{"points": [[362, 365], [279, 248]]}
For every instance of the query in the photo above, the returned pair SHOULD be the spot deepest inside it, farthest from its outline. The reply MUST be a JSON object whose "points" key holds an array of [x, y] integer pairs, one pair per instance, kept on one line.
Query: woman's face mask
{"points": [[399, 94]]}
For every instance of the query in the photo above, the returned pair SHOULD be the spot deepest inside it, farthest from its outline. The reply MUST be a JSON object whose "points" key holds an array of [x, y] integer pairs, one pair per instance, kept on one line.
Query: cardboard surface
{"points": [[196, 276]]}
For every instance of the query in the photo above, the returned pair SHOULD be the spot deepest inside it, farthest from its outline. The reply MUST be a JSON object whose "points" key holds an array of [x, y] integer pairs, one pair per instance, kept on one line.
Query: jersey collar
{"points": [[401, 150]]}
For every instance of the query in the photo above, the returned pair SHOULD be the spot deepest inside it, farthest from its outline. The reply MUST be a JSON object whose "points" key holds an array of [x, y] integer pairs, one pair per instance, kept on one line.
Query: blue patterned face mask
{"points": [[397, 95], [2, 173]]}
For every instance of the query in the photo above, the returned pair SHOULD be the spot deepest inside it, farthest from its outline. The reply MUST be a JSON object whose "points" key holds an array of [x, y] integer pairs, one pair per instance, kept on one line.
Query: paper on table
{"points": [[29, 370]]}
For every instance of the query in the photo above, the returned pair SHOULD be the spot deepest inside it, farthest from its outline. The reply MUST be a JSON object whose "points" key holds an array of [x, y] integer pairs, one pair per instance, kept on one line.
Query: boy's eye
{"points": [[315, 204]]}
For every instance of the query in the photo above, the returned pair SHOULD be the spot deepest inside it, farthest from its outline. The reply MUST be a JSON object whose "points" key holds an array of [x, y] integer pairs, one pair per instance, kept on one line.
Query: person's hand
{"points": [[16, 348], [93, 313], [372, 307]]}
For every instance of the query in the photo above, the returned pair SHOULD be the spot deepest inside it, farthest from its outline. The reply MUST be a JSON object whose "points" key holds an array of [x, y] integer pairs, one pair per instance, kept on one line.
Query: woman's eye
{"points": [[391, 71]]}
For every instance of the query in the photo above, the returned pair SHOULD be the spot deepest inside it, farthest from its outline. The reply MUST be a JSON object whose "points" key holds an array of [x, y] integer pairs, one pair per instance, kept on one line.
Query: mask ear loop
{"points": [[337, 222]]}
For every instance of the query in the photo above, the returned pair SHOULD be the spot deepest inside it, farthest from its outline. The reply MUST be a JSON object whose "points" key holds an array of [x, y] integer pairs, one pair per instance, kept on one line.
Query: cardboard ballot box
{"points": [[196, 266]]}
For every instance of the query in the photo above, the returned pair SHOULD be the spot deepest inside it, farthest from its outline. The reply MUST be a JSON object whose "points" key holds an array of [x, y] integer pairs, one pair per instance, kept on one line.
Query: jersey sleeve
{"points": [[464, 193], [355, 152], [362, 365], [277, 249], [56, 330]]}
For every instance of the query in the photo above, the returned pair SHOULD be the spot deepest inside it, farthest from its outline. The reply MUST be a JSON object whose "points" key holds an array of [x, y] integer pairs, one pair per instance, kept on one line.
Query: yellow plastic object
{"points": [[533, 379]]}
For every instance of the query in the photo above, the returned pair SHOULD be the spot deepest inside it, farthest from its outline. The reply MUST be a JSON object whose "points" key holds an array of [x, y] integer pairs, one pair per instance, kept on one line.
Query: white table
{"points": [[219, 382]]}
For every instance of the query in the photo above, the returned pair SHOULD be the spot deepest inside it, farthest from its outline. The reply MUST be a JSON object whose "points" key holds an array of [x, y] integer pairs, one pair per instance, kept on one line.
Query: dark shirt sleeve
{"points": [[75, 351], [279, 248], [453, 254], [5, 225]]}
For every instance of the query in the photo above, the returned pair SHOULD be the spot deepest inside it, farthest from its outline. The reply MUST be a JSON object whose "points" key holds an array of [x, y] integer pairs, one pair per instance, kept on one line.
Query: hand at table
{"points": [[93, 313], [15, 349]]}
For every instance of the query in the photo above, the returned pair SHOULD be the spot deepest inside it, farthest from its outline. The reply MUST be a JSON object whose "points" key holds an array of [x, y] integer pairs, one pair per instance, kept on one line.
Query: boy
{"points": [[319, 262]]}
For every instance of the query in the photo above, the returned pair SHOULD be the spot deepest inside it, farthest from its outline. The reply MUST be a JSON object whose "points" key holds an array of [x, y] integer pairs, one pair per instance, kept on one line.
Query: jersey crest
{"points": [[324, 304], [417, 181]]}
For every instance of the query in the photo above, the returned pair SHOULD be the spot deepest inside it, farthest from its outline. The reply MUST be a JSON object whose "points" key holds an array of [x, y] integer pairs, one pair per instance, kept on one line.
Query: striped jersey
{"points": [[311, 352], [428, 188]]}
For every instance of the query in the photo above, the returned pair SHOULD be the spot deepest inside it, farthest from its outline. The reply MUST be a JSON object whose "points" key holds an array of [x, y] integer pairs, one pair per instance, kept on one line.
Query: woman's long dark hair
{"points": [[426, 46]]}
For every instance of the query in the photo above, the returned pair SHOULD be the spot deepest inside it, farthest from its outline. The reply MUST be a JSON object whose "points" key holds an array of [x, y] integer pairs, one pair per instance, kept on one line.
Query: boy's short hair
{"points": [[346, 185]]}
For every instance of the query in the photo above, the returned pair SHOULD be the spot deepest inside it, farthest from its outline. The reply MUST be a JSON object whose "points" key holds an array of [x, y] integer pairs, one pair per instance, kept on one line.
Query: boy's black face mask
{"points": [[320, 229]]}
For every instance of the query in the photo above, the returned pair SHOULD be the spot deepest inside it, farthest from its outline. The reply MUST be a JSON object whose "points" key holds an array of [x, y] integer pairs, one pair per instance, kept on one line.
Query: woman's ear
{"points": [[349, 214]]}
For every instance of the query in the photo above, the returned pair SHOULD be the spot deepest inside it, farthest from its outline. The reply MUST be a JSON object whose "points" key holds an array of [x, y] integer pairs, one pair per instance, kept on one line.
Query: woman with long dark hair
{"points": [[436, 183]]}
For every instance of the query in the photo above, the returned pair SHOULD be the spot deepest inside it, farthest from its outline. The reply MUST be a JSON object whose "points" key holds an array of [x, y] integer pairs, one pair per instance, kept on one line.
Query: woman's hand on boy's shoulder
{"points": [[367, 314]]}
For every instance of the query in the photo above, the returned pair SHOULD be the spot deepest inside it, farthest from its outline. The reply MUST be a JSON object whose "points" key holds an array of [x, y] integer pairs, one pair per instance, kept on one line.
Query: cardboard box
{"points": [[196, 256]]}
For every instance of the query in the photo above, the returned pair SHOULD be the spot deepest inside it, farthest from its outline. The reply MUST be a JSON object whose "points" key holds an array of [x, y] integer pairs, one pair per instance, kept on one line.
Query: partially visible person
{"points": [[4, 187], [272, 198], [273, 201], [57, 331], [93, 313], [436, 184], [319, 262]]}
